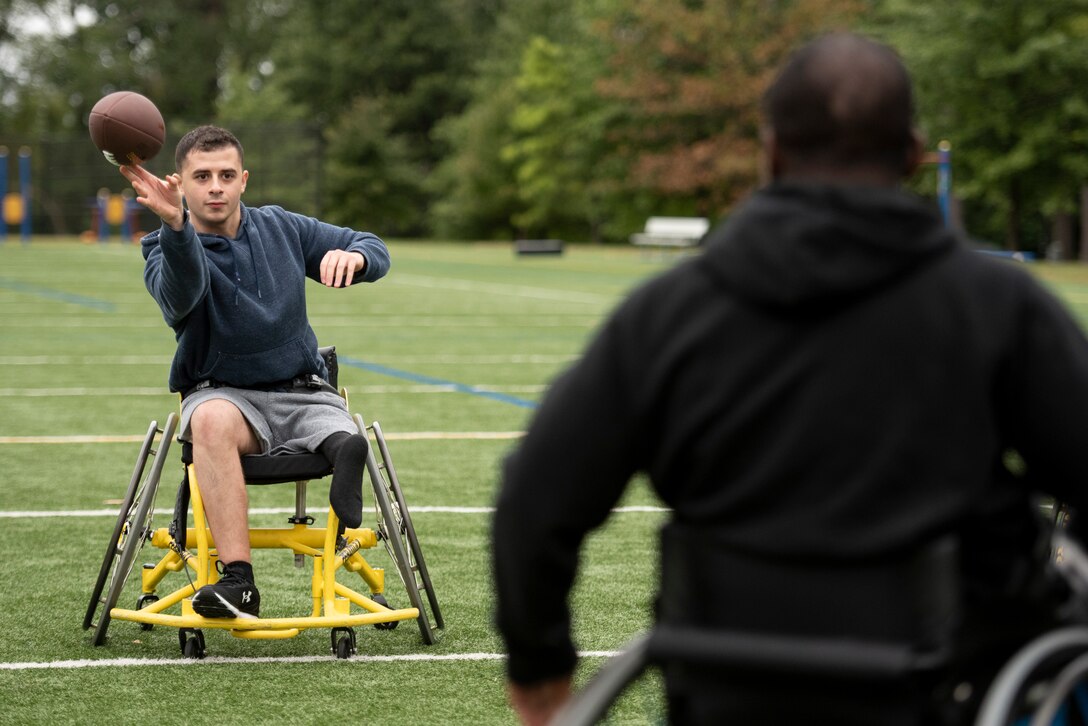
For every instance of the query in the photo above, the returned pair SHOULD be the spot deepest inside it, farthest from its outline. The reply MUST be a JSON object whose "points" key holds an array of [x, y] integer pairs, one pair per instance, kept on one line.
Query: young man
{"points": [[832, 386], [231, 283]]}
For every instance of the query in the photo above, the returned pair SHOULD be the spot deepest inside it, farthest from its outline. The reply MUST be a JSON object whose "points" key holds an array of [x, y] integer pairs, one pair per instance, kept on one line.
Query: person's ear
{"points": [[916, 152], [771, 166]]}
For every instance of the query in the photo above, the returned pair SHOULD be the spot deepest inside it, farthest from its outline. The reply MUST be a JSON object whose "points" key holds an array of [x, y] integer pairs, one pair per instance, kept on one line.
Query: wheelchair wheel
{"points": [[343, 642], [392, 624], [126, 505], [396, 530], [591, 704], [1037, 680], [131, 531], [191, 641], [142, 602], [414, 550]]}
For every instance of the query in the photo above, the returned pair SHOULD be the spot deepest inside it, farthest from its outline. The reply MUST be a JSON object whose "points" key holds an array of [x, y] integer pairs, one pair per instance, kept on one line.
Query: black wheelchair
{"points": [[897, 640], [332, 549]]}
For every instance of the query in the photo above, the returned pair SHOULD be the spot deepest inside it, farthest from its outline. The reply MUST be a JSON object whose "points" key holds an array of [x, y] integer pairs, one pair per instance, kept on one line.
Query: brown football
{"points": [[127, 128]]}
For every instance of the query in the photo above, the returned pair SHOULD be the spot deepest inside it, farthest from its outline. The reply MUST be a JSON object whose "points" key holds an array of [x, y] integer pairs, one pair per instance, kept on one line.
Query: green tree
{"points": [[1003, 81], [494, 182], [172, 52], [372, 183], [691, 75], [276, 62], [412, 60], [474, 189], [558, 127]]}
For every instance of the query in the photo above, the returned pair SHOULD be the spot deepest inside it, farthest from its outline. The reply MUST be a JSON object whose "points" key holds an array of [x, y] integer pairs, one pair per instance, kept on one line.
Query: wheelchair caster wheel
{"points": [[380, 599], [192, 643], [142, 602], [343, 642]]}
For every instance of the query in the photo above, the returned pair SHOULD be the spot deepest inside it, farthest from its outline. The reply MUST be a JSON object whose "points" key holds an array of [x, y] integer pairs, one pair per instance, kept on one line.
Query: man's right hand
{"points": [[161, 196], [538, 704]]}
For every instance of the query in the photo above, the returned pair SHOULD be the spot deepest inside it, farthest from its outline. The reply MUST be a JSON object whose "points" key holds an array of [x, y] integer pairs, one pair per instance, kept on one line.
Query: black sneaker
{"points": [[232, 597]]}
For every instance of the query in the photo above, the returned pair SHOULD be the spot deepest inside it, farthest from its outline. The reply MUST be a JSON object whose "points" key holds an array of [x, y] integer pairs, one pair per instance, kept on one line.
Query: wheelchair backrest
{"points": [[328, 354], [913, 599]]}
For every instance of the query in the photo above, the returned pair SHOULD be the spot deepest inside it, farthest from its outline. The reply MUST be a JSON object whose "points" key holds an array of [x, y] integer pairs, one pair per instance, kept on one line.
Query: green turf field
{"points": [[459, 340]]}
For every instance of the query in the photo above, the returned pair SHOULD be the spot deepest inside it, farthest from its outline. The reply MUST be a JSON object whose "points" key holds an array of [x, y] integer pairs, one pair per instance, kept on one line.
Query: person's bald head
{"points": [[842, 107]]}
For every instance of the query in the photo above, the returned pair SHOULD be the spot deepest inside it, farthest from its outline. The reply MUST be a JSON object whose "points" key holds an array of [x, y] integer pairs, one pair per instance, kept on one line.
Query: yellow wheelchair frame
{"points": [[330, 550]]}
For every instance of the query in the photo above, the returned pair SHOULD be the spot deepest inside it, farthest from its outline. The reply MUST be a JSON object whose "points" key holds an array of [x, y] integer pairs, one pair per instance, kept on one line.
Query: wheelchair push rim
{"points": [[119, 524], [404, 551], [415, 551], [131, 531]]}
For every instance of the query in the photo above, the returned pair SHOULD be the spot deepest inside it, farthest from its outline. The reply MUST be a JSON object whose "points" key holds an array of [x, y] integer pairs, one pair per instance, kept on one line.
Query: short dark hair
{"points": [[205, 138], [843, 100]]}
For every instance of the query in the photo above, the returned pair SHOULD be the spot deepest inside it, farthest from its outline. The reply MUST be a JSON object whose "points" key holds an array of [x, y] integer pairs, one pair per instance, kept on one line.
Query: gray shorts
{"points": [[288, 422]]}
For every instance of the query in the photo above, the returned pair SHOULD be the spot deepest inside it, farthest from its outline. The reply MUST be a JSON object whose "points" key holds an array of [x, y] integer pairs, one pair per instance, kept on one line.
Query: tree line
{"points": [[575, 119]]}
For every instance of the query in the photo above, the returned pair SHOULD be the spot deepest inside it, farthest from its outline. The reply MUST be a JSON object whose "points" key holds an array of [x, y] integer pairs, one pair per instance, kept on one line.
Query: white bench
{"points": [[672, 232]]}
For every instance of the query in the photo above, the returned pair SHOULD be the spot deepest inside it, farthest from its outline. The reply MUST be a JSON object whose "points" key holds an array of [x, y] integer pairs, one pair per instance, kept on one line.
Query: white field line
{"points": [[214, 660], [75, 439], [163, 360], [75, 321], [96, 360], [83, 391], [551, 320], [80, 392], [391, 436], [79, 513], [522, 291]]}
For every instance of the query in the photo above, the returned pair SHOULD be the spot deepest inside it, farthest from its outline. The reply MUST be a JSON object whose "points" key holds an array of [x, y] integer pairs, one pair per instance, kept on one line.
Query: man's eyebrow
{"points": [[208, 170]]}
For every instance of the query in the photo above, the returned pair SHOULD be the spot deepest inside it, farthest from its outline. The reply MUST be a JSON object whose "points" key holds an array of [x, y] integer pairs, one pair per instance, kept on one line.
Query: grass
{"points": [[459, 339]]}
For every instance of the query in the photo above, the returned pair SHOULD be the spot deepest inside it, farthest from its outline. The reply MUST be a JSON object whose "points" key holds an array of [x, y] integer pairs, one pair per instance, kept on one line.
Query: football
{"points": [[127, 128]]}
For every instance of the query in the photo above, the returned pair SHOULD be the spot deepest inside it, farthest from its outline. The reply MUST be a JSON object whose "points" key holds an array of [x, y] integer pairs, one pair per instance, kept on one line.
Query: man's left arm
{"points": [[559, 483], [339, 256]]}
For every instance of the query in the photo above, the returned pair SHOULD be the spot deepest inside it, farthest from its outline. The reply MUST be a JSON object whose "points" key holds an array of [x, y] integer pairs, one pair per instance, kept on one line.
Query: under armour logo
{"points": [[247, 595]]}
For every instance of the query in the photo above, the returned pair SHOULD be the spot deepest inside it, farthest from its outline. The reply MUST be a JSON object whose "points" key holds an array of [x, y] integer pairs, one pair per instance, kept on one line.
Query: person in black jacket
{"points": [[836, 383]]}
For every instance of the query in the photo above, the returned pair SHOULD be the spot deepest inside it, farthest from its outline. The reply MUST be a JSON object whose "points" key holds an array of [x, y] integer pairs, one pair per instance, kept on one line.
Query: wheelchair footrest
{"points": [[266, 634], [262, 624]]}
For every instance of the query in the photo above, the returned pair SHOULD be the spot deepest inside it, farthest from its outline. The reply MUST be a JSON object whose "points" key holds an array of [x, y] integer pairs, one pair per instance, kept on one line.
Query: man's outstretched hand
{"points": [[162, 196]]}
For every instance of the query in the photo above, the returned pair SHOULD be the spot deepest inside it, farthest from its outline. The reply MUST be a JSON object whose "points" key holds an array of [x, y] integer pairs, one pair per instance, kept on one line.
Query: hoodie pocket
{"points": [[266, 366]]}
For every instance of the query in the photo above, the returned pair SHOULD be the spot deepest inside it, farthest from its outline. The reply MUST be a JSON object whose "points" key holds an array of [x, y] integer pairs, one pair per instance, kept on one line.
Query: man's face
{"points": [[213, 182]]}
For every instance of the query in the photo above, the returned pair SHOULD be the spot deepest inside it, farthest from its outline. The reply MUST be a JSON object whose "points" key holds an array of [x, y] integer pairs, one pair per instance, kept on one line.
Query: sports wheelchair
{"points": [[332, 548], [1044, 683]]}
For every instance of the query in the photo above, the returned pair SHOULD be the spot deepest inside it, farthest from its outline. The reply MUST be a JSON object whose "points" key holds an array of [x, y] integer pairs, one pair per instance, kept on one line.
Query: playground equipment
{"points": [[16, 205], [111, 211], [942, 157]]}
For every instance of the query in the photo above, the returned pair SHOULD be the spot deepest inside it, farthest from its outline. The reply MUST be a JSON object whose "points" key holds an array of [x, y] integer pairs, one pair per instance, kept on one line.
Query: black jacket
{"points": [[835, 378]]}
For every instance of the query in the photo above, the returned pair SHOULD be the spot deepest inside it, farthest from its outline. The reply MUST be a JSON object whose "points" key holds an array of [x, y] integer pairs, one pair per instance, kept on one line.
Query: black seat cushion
{"points": [[265, 469]]}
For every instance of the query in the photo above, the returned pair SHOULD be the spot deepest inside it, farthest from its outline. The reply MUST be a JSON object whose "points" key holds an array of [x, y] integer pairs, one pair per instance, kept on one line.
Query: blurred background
{"points": [[508, 119]]}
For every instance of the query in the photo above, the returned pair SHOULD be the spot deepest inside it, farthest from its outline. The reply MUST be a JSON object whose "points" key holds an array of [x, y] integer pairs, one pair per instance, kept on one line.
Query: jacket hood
{"points": [[796, 244]]}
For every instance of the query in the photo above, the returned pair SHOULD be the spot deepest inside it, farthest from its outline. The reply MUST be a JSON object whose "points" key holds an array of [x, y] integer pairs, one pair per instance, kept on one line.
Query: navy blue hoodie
{"points": [[238, 306]]}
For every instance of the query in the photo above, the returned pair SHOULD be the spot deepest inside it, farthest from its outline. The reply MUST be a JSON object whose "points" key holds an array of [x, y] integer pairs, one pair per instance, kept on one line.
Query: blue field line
{"points": [[428, 380], [59, 295]]}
